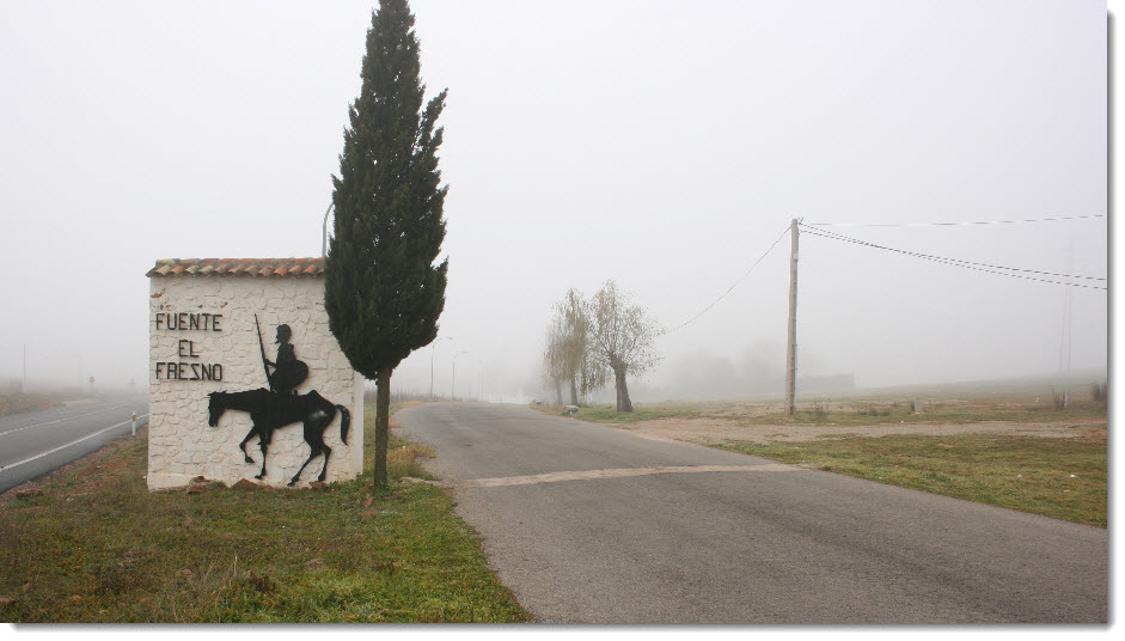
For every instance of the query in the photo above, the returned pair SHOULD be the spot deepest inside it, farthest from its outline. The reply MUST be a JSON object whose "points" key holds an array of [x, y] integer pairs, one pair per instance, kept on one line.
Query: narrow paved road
{"points": [[35, 443], [589, 524]]}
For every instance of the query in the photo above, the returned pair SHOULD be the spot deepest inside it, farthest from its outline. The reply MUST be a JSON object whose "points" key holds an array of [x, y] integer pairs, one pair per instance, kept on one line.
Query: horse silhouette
{"points": [[270, 411]]}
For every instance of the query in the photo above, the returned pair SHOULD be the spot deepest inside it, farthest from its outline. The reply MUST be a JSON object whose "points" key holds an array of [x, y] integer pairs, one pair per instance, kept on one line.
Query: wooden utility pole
{"points": [[791, 349], [1065, 346]]}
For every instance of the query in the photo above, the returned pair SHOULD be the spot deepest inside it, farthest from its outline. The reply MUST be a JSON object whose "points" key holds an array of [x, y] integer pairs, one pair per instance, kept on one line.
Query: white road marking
{"points": [[63, 447], [60, 420], [621, 472]]}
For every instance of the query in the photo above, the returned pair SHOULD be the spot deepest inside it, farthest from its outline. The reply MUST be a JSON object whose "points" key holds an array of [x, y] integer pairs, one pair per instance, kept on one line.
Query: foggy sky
{"points": [[661, 144]]}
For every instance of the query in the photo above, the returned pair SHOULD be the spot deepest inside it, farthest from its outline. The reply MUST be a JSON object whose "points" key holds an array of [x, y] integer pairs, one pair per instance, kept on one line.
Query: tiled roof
{"points": [[264, 267]]}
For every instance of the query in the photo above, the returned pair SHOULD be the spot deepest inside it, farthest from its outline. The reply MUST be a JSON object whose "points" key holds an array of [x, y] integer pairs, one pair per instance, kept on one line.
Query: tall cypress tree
{"points": [[383, 291]]}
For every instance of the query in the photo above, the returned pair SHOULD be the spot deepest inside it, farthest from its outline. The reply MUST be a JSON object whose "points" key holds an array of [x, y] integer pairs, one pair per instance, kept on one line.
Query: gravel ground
{"points": [[709, 430]]}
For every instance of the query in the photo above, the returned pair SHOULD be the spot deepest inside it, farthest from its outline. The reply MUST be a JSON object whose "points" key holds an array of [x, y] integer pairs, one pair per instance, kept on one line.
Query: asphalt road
{"points": [[591, 524], [35, 443]]}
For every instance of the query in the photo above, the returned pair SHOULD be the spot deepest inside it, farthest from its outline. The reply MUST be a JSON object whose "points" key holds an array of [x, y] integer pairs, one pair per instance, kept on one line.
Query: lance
{"points": [[262, 346]]}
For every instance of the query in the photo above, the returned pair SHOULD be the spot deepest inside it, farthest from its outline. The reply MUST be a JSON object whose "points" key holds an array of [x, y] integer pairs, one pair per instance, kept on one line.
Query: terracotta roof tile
{"points": [[264, 267]]}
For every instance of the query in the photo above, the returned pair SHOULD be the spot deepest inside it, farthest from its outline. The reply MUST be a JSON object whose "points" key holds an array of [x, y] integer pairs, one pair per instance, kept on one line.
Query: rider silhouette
{"points": [[288, 371]]}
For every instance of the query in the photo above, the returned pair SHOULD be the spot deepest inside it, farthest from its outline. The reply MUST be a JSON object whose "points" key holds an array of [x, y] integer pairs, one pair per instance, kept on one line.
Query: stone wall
{"points": [[181, 444]]}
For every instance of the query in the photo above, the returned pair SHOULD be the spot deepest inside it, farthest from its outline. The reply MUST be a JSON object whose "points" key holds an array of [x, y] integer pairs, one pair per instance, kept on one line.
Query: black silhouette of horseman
{"points": [[281, 405], [288, 372]]}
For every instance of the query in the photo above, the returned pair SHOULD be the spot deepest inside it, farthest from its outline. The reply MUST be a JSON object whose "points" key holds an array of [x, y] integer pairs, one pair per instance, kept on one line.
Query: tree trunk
{"points": [[623, 402], [558, 391], [573, 392], [382, 426]]}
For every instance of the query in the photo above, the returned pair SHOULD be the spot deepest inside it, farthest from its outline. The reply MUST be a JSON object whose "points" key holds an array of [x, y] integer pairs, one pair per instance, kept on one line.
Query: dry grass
{"points": [[1059, 478], [19, 402], [402, 455], [853, 412]]}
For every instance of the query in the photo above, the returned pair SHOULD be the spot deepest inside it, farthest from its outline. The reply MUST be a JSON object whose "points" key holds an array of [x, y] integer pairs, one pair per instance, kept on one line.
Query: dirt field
{"points": [[712, 430], [1018, 451]]}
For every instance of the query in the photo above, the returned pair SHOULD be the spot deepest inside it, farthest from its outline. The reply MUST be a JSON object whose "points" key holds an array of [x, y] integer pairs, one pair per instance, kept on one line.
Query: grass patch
{"points": [[96, 546], [1025, 473]]}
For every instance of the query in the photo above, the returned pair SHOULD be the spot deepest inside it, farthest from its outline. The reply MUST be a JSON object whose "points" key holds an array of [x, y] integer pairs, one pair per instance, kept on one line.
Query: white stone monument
{"points": [[203, 338]]}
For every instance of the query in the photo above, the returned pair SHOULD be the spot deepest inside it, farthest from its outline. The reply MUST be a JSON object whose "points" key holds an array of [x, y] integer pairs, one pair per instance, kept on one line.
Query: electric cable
{"points": [[733, 285], [964, 264], [1014, 221], [955, 260]]}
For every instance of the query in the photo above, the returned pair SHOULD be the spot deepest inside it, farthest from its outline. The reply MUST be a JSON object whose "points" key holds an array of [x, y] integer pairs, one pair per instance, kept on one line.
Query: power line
{"points": [[733, 285], [964, 264], [1014, 221], [849, 239]]}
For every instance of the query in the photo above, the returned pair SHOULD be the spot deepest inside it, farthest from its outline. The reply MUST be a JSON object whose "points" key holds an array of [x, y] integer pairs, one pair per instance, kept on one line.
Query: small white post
{"points": [[133, 420]]}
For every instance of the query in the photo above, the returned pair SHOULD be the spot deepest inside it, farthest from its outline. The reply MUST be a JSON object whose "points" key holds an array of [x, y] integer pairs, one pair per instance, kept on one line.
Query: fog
{"points": [[661, 144]]}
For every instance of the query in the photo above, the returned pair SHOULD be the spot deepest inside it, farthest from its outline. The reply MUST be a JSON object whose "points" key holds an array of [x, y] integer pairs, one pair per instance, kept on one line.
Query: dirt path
{"points": [[709, 430]]}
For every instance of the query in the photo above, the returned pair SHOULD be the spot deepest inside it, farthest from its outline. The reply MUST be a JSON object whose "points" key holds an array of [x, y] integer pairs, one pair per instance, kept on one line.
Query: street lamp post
{"points": [[433, 349], [324, 231]]}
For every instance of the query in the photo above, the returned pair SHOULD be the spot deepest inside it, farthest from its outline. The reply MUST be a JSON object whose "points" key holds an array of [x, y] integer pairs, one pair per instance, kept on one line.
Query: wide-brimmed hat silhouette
{"points": [[283, 333]]}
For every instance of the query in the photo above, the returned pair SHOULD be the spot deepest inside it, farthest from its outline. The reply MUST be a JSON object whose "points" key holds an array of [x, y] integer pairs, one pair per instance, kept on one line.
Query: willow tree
{"points": [[384, 290], [567, 357], [554, 359], [621, 339]]}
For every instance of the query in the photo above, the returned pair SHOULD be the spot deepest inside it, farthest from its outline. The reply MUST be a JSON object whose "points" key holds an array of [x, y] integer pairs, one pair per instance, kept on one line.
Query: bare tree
{"points": [[621, 339]]}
